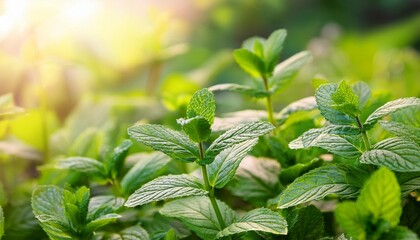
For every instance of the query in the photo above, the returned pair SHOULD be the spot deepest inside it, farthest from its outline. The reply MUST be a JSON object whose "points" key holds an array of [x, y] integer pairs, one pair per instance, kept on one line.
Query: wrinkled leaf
{"points": [[167, 187], [198, 129], [102, 205], [83, 164], [116, 162], [202, 104], [409, 181], [345, 100], [362, 90], [402, 130]]}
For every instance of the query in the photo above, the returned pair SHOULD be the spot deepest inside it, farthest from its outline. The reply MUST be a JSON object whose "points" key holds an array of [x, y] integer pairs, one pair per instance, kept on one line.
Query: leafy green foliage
{"points": [[377, 210], [83, 164], [249, 62], [260, 219], [320, 182], [346, 101], [402, 130], [202, 104], [197, 128], [198, 215], [116, 163], [398, 154], [165, 187], [305, 223]]}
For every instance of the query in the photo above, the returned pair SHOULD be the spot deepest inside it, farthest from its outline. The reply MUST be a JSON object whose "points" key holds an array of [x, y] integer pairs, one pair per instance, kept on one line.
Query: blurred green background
{"points": [[85, 70]]}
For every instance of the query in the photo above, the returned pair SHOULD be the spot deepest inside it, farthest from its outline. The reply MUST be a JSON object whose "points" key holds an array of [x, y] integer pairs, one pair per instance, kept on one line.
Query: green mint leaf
{"points": [[134, 232], [408, 116], [247, 90], [402, 130], [224, 166], [170, 142], [202, 104], [305, 223], [48, 207], [391, 107], [249, 62], [101, 221], [233, 119], [1, 222], [82, 198], [170, 235], [198, 215], [148, 167], [286, 70], [316, 184], [363, 93], [255, 45], [116, 162], [83, 164], [345, 100], [409, 181], [260, 220], [289, 174], [256, 180], [328, 138], [167, 187], [381, 197], [273, 47], [353, 219], [103, 205], [325, 102], [398, 154], [198, 129], [400, 233], [235, 136], [304, 104]]}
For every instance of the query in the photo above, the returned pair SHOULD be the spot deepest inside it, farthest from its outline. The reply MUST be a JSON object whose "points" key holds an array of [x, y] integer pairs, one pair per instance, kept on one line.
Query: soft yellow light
{"points": [[13, 16]]}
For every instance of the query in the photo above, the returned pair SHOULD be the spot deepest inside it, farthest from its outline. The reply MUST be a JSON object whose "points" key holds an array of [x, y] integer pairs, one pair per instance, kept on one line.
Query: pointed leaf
{"points": [[101, 221], [398, 154], [235, 136], [116, 162], [286, 70], [325, 102], [202, 104], [316, 184], [381, 197], [147, 168], [249, 62], [261, 220], [102, 205], [167, 187], [391, 107], [345, 100], [255, 45], [409, 181], [247, 90], [272, 48], [402, 130], [134, 233], [400, 233], [256, 180], [352, 218], [170, 142], [363, 92], [223, 168], [83, 164], [198, 215]]}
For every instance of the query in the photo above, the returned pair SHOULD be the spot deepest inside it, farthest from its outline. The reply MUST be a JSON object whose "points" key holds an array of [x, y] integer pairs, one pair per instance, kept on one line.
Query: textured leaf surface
{"points": [[256, 180], [409, 181], [102, 205], [232, 87], [381, 197], [236, 135], [83, 164], [116, 162], [305, 223], [402, 130], [304, 104], [202, 104], [197, 128], [147, 167], [345, 100], [320, 182], [250, 62], [398, 154], [198, 215], [391, 107], [134, 233], [170, 142], [352, 218], [261, 220], [363, 92], [286, 70], [272, 48], [166, 187], [223, 168], [328, 138], [400, 233], [101, 221], [325, 102]]}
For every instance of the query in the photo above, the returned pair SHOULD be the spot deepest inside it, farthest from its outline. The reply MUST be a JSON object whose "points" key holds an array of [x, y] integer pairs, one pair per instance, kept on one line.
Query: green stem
{"points": [[364, 134], [269, 102], [211, 190]]}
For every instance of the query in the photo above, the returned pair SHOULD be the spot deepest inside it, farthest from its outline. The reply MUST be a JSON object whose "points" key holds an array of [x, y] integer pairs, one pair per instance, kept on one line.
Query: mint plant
{"points": [[64, 214], [258, 57], [196, 205]]}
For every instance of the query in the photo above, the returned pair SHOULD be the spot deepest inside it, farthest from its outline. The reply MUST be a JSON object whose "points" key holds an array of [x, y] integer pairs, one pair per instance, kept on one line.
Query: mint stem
{"points": [[211, 190], [364, 134], [269, 102]]}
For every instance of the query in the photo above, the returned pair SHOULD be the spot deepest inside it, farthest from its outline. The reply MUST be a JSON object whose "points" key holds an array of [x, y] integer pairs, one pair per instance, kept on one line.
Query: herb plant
{"points": [[196, 205]]}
